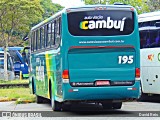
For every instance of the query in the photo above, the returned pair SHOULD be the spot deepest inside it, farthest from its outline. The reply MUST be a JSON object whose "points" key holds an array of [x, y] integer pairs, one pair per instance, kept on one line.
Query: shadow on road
{"points": [[83, 109], [152, 98]]}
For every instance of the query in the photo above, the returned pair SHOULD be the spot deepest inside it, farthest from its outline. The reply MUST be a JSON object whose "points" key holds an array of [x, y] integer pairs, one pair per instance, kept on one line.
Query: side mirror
{"points": [[25, 38]]}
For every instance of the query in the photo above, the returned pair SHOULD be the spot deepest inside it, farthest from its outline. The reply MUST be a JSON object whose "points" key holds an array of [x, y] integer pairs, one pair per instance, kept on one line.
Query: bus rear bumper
{"points": [[101, 93]]}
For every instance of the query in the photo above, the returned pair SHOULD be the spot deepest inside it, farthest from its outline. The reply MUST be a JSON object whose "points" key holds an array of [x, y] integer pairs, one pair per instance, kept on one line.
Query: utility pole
{"points": [[5, 60]]}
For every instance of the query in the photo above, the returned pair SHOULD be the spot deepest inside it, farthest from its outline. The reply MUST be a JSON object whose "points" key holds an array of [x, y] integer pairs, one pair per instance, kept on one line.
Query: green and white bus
{"points": [[87, 54]]}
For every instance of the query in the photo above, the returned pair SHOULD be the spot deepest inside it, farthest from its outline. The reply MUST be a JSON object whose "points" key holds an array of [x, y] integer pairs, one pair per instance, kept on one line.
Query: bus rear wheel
{"points": [[56, 106], [39, 99]]}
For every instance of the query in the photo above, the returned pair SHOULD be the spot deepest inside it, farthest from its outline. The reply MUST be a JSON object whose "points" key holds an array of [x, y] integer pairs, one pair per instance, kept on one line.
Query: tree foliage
{"points": [[140, 5], [17, 15], [49, 8], [92, 2], [154, 5]]}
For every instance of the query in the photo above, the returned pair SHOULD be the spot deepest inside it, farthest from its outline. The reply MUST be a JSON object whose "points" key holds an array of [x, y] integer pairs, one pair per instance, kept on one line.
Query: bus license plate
{"points": [[102, 83]]}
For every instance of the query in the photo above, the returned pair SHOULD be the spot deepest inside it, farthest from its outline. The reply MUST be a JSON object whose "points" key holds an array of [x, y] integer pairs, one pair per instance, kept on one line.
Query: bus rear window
{"points": [[101, 23]]}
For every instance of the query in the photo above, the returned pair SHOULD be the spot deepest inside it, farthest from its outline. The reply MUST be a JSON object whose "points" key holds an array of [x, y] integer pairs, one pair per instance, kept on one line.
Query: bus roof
{"points": [[79, 8], [151, 16]]}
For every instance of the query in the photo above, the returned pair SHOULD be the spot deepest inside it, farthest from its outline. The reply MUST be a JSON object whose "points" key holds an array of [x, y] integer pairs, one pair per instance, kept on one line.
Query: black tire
{"points": [[39, 99], [117, 105], [107, 105], [33, 89], [56, 106]]}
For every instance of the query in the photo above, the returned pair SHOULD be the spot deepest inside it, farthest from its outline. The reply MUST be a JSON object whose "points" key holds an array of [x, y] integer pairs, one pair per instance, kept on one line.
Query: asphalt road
{"points": [[133, 110], [129, 109]]}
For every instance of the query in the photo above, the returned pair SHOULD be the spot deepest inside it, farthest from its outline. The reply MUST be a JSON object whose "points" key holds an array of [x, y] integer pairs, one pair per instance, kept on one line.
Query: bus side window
{"points": [[58, 32], [144, 39], [42, 37], [49, 31], [32, 42], [157, 24], [53, 34], [153, 35], [158, 39], [45, 36], [38, 39]]}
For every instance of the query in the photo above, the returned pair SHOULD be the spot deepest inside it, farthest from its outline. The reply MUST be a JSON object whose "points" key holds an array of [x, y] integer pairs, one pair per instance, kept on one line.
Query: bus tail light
{"points": [[65, 74], [137, 73]]}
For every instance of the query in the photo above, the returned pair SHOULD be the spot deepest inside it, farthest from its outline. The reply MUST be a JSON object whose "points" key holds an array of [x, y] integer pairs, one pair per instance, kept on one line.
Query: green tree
{"points": [[140, 5], [50, 8], [154, 5], [92, 2], [17, 15]]}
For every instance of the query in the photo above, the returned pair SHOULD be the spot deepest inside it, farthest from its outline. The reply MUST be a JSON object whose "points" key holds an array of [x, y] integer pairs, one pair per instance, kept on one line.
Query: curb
{"points": [[17, 100], [7, 99], [24, 101]]}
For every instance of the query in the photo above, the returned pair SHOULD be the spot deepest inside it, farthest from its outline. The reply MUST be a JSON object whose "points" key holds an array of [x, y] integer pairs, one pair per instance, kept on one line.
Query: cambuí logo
{"points": [[99, 24]]}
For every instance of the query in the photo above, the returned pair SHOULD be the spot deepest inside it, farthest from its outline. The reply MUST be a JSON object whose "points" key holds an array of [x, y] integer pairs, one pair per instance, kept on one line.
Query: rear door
{"points": [[89, 65]]}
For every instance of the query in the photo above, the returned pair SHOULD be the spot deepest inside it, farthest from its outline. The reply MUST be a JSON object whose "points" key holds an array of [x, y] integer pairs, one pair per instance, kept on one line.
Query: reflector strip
{"points": [[65, 80], [83, 47]]}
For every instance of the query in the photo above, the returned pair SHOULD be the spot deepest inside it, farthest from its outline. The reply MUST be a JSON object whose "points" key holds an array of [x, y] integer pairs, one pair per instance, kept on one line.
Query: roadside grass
{"points": [[26, 81], [18, 94]]}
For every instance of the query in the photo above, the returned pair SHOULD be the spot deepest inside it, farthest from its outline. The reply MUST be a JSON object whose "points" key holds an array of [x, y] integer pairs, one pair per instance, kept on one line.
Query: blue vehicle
{"points": [[19, 63], [87, 54]]}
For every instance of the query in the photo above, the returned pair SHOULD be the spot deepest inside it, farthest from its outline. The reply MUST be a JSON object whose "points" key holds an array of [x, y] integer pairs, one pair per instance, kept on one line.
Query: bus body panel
{"points": [[46, 68], [101, 93], [150, 63], [91, 65]]}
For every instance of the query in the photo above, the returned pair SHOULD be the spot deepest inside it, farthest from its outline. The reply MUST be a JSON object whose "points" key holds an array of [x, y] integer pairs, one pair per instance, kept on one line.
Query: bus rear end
{"points": [[100, 55]]}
